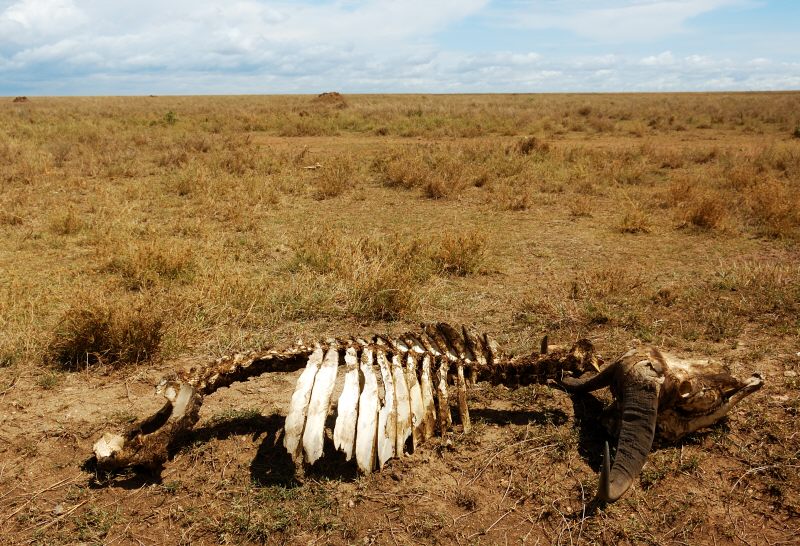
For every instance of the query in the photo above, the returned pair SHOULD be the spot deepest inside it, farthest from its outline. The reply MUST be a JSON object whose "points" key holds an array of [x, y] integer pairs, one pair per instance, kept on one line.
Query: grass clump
{"points": [[380, 289], [143, 266], [634, 220], [335, 177], [773, 209], [460, 253], [381, 278], [531, 144], [706, 211], [93, 332], [66, 223], [511, 197]]}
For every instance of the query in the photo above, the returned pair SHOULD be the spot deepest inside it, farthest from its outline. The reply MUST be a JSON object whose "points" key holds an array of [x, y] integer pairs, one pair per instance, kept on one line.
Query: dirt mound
{"points": [[21, 99], [331, 98]]}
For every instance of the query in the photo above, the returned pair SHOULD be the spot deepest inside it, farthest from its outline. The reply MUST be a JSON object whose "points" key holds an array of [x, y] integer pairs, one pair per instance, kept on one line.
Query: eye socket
{"points": [[685, 388]]}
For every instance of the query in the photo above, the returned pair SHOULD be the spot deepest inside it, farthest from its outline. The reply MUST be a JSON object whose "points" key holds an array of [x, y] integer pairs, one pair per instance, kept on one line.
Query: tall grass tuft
{"points": [[460, 253], [94, 332]]}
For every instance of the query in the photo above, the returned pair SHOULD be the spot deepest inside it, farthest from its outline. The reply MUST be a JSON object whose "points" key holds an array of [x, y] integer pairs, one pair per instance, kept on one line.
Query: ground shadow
{"points": [[271, 466], [519, 417], [591, 433]]}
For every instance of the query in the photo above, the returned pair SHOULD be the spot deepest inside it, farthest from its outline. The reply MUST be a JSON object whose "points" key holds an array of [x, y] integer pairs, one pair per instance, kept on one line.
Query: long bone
{"points": [[148, 442]]}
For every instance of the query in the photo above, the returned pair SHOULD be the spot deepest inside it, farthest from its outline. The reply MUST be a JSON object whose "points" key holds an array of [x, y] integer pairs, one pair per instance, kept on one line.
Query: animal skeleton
{"points": [[396, 395]]}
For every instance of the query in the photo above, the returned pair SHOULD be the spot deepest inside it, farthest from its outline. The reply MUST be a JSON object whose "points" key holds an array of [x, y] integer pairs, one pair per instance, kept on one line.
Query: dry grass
{"points": [[164, 228], [94, 332], [634, 220]]}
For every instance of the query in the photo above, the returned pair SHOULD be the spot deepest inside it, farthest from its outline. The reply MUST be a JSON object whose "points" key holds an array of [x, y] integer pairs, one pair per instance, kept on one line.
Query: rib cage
{"points": [[398, 393], [405, 406]]}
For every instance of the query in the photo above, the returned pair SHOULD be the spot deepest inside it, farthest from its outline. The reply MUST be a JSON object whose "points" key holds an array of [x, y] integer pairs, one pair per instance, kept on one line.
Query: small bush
{"points": [[706, 211], [528, 145], [170, 118], [772, 208], [796, 133], [510, 197], [94, 332], [10, 218], [460, 254], [436, 187], [580, 206], [334, 177], [380, 289], [68, 223], [634, 220]]}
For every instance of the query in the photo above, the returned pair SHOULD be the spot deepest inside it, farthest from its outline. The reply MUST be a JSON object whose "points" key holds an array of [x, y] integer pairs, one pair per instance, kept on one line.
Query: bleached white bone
{"points": [[314, 432], [344, 432], [367, 425], [429, 408], [298, 407], [387, 417], [403, 405], [415, 396]]}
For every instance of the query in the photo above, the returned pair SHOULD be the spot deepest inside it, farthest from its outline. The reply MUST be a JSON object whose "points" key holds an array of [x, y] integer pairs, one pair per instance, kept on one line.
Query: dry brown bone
{"points": [[396, 393], [658, 393]]}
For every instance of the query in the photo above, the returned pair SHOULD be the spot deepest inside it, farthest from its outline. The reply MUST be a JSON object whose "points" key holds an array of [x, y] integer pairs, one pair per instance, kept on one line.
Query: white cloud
{"points": [[619, 20], [260, 46], [27, 21], [662, 59]]}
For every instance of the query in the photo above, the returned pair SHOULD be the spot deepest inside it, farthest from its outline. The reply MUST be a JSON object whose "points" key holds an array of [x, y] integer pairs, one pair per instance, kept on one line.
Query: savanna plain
{"points": [[141, 234]]}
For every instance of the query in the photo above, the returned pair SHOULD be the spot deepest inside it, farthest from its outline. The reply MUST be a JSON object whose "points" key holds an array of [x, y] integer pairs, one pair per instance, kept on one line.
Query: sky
{"points": [[103, 47]]}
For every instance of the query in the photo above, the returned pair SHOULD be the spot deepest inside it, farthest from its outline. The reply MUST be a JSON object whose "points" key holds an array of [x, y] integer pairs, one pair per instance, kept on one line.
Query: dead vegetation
{"points": [[94, 333], [155, 229]]}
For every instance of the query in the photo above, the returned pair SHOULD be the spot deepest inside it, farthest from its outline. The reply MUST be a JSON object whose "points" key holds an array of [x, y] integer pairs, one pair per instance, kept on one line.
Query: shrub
{"points": [[771, 206], [506, 196], [460, 254], [334, 177], [580, 206], [94, 332], [66, 223], [528, 145], [706, 211], [170, 118], [380, 289], [634, 220]]}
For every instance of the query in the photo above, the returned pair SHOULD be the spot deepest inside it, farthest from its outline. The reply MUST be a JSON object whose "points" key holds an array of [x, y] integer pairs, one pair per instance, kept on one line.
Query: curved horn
{"points": [[639, 413], [592, 383]]}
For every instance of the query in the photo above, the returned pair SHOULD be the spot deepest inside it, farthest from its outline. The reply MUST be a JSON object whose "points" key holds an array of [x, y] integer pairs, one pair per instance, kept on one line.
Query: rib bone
{"points": [[298, 407], [403, 404], [344, 432], [417, 406], [387, 417], [314, 432], [367, 415]]}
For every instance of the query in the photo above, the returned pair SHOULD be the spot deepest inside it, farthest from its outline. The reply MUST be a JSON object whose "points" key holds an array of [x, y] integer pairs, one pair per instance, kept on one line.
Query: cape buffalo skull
{"points": [[656, 392]]}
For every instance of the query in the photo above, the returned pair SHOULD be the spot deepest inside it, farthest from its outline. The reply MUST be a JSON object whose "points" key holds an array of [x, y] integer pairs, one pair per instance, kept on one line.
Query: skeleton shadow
{"points": [[519, 417], [592, 435], [272, 465]]}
